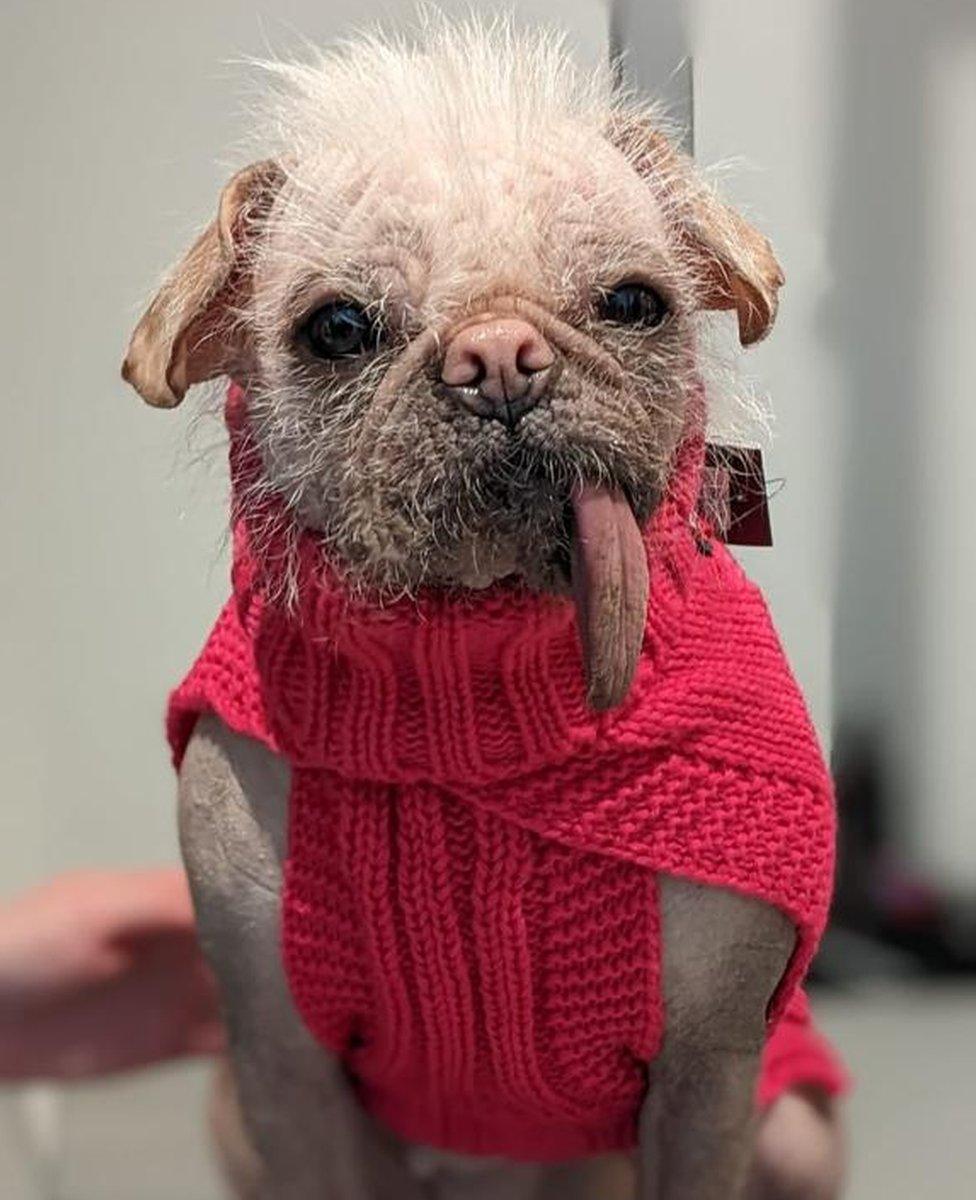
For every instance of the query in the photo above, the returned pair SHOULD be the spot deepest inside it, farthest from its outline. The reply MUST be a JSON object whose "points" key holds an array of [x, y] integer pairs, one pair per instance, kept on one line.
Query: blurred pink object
{"points": [[100, 971]]}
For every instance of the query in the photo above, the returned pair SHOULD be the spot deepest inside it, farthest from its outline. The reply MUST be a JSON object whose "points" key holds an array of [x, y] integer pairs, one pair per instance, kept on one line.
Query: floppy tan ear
{"points": [[734, 262], [186, 335]]}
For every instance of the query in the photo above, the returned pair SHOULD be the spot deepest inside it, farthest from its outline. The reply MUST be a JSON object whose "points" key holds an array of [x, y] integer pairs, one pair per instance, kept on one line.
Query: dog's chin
{"points": [[539, 560], [548, 571], [527, 547]]}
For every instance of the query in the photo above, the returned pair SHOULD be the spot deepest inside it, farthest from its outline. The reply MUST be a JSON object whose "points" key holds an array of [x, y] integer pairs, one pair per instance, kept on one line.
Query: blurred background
{"points": [[849, 130]]}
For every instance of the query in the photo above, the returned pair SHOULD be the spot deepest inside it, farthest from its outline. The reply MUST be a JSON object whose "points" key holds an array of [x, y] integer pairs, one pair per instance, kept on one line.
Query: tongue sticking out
{"points": [[610, 586]]}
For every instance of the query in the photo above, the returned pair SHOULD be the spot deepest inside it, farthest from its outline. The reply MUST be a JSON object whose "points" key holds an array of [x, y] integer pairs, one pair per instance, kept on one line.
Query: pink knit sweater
{"points": [[470, 908]]}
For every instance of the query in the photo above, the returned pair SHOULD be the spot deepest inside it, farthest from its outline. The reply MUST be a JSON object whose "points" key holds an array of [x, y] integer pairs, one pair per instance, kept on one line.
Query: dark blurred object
{"points": [[734, 496], [887, 918]]}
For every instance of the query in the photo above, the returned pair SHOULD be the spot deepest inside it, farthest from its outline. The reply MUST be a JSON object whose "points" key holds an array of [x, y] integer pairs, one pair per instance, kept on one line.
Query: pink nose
{"points": [[498, 368]]}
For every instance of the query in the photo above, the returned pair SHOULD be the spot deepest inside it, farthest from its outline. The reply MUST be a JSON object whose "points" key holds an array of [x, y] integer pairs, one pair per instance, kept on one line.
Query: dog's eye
{"points": [[340, 329], [634, 304]]}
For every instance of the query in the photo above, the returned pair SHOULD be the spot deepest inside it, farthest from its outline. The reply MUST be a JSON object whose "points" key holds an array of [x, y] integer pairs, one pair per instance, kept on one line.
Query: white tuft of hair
{"points": [[432, 84]]}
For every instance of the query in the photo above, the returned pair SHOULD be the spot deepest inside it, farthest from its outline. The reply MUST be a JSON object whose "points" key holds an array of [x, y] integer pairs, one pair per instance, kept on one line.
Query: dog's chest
{"points": [[450, 955]]}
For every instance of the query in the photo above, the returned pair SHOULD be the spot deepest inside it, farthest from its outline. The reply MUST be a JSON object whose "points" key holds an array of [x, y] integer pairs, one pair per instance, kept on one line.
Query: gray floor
{"points": [[912, 1118]]}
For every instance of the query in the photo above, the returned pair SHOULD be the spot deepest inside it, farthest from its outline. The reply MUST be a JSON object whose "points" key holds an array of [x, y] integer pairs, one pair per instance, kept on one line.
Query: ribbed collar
{"points": [[454, 687]]}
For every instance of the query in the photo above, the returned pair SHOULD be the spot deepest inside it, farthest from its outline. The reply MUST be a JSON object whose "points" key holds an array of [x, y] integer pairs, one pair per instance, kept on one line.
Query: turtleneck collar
{"points": [[449, 686]]}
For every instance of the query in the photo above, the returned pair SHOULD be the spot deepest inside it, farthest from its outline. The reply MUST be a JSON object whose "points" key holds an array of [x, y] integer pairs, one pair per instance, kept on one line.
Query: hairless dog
{"points": [[508, 835]]}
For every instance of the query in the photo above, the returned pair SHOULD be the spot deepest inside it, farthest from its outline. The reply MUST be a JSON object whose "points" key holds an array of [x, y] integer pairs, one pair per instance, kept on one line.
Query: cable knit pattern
{"points": [[470, 916]]}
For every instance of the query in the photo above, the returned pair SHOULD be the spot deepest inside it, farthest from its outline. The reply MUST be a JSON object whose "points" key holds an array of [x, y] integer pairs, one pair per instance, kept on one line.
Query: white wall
{"points": [[942, 822], [858, 121], [764, 106], [117, 127], [901, 319]]}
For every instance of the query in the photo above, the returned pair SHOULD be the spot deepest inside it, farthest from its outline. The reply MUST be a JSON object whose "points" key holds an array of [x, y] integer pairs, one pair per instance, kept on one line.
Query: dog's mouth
{"points": [[608, 568]]}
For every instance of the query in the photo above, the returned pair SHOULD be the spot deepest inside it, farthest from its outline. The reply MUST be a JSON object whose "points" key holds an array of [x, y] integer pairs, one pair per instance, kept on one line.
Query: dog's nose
{"points": [[498, 368]]}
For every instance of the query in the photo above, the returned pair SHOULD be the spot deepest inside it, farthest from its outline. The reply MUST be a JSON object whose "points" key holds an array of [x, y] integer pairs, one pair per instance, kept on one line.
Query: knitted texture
{"points": [[470, 913]]}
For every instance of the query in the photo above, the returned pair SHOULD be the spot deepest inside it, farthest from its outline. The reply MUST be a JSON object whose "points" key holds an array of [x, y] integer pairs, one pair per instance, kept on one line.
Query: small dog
{"points": [[460, 309]]}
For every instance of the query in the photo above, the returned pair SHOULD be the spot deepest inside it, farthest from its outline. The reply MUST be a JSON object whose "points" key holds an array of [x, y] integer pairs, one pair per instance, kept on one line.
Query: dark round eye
{"points": [[633, 304], [340, 329]]}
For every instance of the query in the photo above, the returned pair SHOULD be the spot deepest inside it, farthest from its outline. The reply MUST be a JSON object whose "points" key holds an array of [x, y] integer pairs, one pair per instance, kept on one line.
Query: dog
{"points": [[460, 306]]}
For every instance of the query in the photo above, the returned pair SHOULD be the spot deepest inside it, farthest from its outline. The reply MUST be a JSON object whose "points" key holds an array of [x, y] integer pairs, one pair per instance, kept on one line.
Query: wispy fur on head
{"points": [[472, 167]]}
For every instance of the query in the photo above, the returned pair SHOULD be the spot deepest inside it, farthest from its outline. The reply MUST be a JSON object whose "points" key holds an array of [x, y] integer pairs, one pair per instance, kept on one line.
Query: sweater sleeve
{"points": [[224, 681], [797, 1055]]}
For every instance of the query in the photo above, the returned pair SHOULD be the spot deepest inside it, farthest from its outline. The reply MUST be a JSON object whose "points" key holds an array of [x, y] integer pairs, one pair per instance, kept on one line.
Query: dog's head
{"points": [[462, 300]]}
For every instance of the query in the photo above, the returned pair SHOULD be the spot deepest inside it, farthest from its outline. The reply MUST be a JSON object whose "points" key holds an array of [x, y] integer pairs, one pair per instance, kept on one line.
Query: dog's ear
{"points": [[734, 264], [188, 334]]}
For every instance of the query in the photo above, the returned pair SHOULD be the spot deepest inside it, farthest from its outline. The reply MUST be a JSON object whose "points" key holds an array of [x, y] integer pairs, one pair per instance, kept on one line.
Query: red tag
{"points": [[734, 499]]}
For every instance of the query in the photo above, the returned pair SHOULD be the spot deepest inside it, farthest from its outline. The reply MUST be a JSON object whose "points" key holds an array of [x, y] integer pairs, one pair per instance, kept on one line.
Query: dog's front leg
{"points": [[723, 957], [313, 1142]]}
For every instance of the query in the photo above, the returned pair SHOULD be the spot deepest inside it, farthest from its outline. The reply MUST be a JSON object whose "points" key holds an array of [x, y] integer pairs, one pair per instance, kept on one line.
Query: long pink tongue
{"points": [[610, 586]]}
